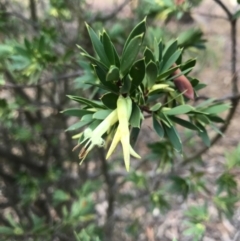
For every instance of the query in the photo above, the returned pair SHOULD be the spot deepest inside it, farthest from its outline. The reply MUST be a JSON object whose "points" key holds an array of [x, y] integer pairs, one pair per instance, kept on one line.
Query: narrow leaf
{"points": [[157, 126], [137, 73], [182, 109], [108, 47], [110, 100], [139, 29], [113, 74], [130, 54], [98, 46]]}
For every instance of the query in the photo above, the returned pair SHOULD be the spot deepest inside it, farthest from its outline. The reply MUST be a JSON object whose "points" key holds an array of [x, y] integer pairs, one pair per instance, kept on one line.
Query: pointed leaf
{"points": [[148, 54], [113, 74], [139, 29], [173, 58], [157, 127], [76, 112], [101, 114], [137, 73], [102, 75], [173, 137], [136, 116], [79, 125], [85, 101], [110, 100], [151, 74], [182, 109], [108, 47], [98, 46], [184, 123], [130, 54]]}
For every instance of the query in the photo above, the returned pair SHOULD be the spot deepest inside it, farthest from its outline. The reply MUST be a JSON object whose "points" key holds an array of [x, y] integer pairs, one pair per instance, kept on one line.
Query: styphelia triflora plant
{"points": [[154, 81]]}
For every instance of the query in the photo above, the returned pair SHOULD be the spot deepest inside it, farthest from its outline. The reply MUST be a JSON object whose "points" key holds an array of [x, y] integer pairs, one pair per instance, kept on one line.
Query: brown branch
{"points": [[110, 15], [210, 15], [111, 197], [224, 8], [18, 160], [234, 82], [47, 81]]}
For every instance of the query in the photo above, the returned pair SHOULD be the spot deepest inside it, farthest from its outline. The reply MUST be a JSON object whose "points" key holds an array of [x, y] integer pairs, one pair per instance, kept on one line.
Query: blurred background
{"points": [[45, 194]]}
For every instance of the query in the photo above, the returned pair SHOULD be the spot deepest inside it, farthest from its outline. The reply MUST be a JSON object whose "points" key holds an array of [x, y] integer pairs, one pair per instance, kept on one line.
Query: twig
{"points": [[47, 81], [17, 160], [226, 10], [210, 15], [235, 91], [111, 197], [110, 15], [224, 98]]}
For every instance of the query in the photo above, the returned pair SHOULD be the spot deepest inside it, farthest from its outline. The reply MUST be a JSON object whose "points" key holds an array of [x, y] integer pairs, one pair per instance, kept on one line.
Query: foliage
{"points": [[61, 77]]}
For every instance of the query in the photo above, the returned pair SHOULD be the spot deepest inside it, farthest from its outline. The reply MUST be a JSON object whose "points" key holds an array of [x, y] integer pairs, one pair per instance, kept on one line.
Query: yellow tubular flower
{"points": [[122, 110], [117, 136], [94, 137]]}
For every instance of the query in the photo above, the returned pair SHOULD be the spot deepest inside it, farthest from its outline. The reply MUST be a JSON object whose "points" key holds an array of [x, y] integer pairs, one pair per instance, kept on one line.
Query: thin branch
{"points": [[210, 15], [21, 17], [17, 160], [110, 15], [111, 196], [225, 9], [234, 82], [47, 81]]}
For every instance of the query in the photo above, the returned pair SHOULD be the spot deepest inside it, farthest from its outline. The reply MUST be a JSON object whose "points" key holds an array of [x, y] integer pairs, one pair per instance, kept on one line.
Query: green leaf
{"points": [[108, 47], [136, 116], [182, 109], [6, 230], [160, 50], [139, 29], [134, 135], [101, 114], [76, 112], [116, 57], [216, 119], [102, 75], [156, 49], [167, 73], [188, 65], [157, 126], [184, 123], [151, 74], [137, 73], [126, 85], [148, 54], [180, 185], [216, 109], [113, 74], [171, 60], [173, 137], [110, 100], [169, 50], [156, 107], [130, 54], [79, 125], [204, 135], [85, 101], [95, 61], [98, 46]]}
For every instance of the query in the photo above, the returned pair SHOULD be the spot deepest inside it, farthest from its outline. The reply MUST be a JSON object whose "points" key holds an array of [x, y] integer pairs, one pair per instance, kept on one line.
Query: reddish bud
{"points": [[179, 2], [184, 86]]}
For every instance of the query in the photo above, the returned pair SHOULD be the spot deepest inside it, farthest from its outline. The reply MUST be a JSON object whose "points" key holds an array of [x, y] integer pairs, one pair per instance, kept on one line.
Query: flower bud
{"points": [[183, 84]]}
